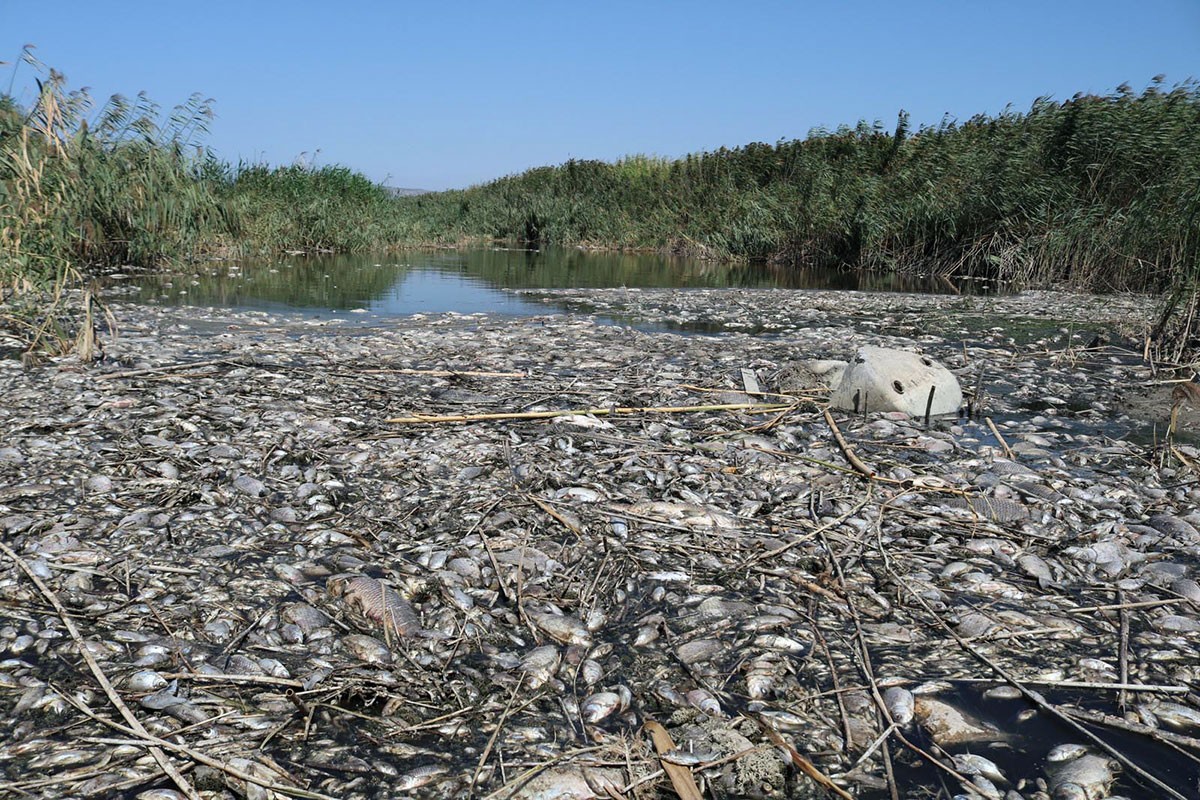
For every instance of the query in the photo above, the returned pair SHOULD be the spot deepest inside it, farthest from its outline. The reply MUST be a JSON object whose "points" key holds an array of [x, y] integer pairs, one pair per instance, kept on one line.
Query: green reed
{"points": [[84, 188], [1095, 191]]}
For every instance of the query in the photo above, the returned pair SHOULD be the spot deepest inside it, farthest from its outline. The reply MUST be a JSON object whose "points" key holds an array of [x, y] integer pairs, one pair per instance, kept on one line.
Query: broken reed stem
{"points": [[1118, 606], [1177, 741], [1008, 453], [566, 523], [443, 373], [1123, 649], [133, 373], [868, 671], [800, 762], [487, 751], [1100, 685], [753, 408], [682, 780], [151, 741], [847, 450], [135, 725]]}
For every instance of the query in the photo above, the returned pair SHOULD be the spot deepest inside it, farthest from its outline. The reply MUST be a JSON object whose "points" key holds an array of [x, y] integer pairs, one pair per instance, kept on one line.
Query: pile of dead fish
{"points": [[297, 595]]}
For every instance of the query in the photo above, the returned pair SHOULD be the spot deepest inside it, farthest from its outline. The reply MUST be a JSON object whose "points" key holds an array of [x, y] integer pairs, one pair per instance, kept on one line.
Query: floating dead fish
{"points": [[1076, 774], [901, 704], [949, 726]]}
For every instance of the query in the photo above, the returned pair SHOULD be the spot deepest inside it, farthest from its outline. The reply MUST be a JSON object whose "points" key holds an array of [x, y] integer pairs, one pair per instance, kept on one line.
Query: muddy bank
{"points": [[285, 587]]}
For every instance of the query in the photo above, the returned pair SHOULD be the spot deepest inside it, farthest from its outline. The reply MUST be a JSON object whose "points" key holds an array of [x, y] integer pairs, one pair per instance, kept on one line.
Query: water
{"points": [[375, 286]]}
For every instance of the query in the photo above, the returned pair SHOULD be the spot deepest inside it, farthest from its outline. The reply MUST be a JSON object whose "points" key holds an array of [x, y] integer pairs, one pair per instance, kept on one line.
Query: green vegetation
{"points": [[1098, 192], [119, 189]]}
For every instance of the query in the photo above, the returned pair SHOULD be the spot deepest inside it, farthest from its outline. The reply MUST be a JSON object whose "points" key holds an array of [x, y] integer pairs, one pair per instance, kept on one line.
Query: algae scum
{"points": [[300, 596]]}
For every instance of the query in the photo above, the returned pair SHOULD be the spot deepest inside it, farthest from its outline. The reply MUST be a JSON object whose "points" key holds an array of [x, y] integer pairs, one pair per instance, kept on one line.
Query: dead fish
{"points": [[418, 777], [599, 705], [1174, 715], [561, 627], [591, 671], [761, 677], [948, 726], [786, 644], [146, 680], [646, 634], [61, 758], [783, 720], [995, 509], [698, 651], [1086, 776], [973, 764], [1181, 530], [376, 601], [669, 694], [367, 648], [1036, 568], [901, 704], [540, 664], [692, 755], [570, 783], [703, 700]]}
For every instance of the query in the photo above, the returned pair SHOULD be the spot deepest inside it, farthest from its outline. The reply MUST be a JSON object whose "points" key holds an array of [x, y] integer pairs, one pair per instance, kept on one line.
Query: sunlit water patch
{"points": [[372, 287]]}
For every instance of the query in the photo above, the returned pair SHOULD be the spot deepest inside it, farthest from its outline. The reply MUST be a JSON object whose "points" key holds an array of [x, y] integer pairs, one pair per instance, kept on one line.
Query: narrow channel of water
{"points": [[473, 281]]}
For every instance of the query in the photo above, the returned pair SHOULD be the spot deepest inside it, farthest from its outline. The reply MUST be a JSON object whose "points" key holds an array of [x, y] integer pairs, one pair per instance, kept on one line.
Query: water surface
{"points": [[478, 280]]}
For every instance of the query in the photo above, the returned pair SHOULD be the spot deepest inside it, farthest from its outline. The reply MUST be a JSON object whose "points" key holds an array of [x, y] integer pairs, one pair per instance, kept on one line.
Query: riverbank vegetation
{"points": [[1099, 192]]}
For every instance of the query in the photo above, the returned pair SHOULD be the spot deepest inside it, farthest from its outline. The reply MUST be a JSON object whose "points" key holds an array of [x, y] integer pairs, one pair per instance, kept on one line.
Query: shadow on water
{"points": [[476, 281]]}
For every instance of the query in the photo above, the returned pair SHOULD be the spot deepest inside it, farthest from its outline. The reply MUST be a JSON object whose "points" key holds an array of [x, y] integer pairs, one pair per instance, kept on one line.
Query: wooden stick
{"points": [[1108, 720], [566, 523], [135, 725], [754, 408], [1126, 687], [1036, 698], [133, 373], [265, 680], [1119, 606], [1123, 648], [847, 450], [1008, 453], [491, 742], [151, 741]]}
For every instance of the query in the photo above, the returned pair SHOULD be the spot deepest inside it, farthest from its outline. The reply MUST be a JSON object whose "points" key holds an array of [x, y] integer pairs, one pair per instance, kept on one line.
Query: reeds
{"points": [[81, 190], [1094, 192]]}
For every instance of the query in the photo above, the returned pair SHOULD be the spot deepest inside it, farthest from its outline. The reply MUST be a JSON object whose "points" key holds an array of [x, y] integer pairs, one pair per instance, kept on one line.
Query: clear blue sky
{"points": [[447, 94]]}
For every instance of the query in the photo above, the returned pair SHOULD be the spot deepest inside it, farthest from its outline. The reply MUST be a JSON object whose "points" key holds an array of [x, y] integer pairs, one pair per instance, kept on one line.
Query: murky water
{"points": [[471, 281]]}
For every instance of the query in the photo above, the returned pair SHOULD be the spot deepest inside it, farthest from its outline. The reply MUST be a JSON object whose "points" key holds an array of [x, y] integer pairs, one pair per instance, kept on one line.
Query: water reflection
{"points": [[400, 284]]}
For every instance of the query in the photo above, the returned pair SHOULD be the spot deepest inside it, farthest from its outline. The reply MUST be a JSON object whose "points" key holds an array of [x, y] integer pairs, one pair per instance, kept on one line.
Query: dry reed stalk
{"points": [[681, 777], [753, 408]]}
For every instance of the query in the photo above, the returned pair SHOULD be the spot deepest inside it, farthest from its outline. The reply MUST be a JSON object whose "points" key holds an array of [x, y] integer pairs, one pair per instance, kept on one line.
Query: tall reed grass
{"points": [[82, 188], [1098, 192]]}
